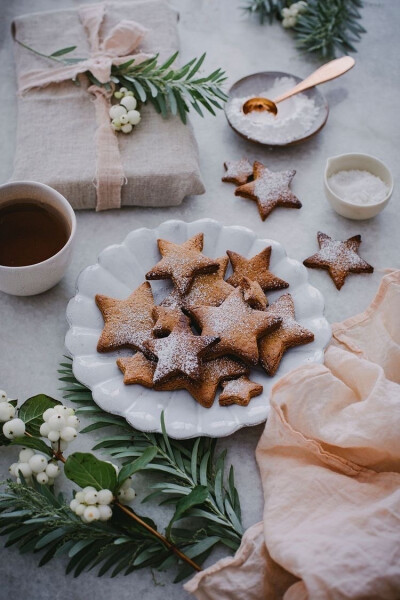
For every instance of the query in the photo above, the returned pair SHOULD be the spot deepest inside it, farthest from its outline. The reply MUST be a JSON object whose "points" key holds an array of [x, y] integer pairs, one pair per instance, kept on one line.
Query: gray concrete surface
{"points": [[32, 329]]}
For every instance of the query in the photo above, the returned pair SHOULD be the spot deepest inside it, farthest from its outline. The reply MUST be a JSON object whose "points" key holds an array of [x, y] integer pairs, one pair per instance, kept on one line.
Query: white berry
{"points": [[38, 463], [129, 102], [129, 93], [117, 111], [126, 128], [68, 434], [123, 90], [26, 454], [42, 478], [104, 497], [44, 429], [105, 512], [134, 117], [118, 95], [73, 421], [52, 470], [53, 435], [13, 469], [56, 422], [48, 413], [25, 469], [80, 496], [7, 411], [74, 504], [59, 446], [3, 396], [91, 497], [129, 494], [124, 119], [80, 509], [14, 428], [91, 513]]}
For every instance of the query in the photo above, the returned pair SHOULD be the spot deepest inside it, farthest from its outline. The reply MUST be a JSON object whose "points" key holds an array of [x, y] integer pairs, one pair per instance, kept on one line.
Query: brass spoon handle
{"points": [[329, 71]]}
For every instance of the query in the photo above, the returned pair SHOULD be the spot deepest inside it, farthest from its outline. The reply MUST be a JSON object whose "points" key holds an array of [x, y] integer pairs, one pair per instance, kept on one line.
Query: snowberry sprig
{"points": [[291, 14], [60, 426], [13, 427], [92, 505], [34, 465], [124, 115]]}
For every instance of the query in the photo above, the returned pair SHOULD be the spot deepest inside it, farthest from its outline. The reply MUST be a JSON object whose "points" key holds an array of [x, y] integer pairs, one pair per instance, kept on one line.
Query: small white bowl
{"points": [[361, 162], [37, 278]]}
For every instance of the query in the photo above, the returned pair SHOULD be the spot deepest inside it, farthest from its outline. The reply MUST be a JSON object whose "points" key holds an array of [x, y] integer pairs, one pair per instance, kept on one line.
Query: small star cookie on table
{"points": [[237, 171], [290, 333], [256, 269], [239, 391], [339, 258], [127, 323], [269, 189], [181, 262]]}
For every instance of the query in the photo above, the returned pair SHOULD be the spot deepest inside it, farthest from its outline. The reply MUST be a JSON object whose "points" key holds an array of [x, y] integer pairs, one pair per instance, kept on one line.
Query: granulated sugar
{"points": [[358, 187], [294, 119]]}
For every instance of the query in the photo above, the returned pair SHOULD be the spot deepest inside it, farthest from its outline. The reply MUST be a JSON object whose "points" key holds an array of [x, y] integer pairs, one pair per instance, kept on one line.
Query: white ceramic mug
{"points": [[37, 278]]}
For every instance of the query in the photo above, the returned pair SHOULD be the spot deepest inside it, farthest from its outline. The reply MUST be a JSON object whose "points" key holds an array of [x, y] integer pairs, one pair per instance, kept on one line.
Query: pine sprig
{"points": [[188, 468], [326, 28], [35, 519]]}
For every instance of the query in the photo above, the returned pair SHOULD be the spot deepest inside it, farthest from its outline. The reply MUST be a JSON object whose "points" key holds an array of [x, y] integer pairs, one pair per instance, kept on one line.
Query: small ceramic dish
{"points": [[359, 162], [256, 84]]}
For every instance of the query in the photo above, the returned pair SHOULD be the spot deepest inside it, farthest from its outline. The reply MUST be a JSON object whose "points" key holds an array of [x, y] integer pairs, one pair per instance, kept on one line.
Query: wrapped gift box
{"points": [[57, 123]]}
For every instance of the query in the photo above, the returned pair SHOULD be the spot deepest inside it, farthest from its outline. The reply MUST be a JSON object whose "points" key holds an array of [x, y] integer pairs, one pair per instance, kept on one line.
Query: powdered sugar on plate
{"points": [[295, 117]]}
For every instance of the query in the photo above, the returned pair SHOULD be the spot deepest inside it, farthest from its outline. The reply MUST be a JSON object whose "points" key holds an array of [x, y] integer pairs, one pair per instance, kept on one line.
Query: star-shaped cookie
{"points": [[181, 262], [237, 171], [253, 294], [210, 289], [137, 369], [239, 391], [179, 353], [290, 333], [269, 189], [339, 258], [213, 372], [236, 324], [127, 323], [256, 269]]}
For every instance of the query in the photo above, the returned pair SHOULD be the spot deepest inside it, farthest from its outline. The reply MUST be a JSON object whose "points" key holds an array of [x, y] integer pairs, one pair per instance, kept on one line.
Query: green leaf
{"points": [[31, 412], [85, 469], [63, 51], [137, 465], [34, 443], [197, 496]]}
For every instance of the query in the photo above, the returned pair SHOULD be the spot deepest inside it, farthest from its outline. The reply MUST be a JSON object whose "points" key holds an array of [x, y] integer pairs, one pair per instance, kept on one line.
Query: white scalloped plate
{"points": [[119, 270]]}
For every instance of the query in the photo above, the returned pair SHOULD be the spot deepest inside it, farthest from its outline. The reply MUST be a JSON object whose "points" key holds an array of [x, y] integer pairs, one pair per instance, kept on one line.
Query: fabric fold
{"points": [[329, 461]]}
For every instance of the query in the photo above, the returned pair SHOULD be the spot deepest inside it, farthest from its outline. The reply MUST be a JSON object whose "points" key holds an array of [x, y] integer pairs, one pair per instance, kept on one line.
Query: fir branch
{"points": [[266, 9], [185, 467]]}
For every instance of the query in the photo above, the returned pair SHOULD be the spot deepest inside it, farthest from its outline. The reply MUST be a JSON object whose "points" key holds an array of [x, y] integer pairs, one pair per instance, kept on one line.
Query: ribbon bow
{"points": [[115, 49]]}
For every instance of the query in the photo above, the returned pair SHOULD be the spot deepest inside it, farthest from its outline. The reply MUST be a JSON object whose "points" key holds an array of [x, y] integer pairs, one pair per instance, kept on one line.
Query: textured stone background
{"points": [[363, 118]]}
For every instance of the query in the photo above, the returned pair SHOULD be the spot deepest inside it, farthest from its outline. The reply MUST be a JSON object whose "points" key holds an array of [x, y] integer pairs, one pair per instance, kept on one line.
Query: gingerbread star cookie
{"points": [[236, 324], [290, 333], [179, 353], [237, 171], [213, 372], [137, 369], [167, 318], [181, 262], [339, 258], [210, 289], [127, 323], [253, 294], [239, 391], [256, 269], [269, 189]]}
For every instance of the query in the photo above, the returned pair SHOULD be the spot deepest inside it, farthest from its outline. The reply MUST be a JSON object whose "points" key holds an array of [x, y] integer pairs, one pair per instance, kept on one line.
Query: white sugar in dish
{"points": [[358, 187], [295, 116]]}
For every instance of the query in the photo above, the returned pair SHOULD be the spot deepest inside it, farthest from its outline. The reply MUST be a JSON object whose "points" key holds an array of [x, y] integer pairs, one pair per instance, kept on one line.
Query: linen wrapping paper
{"points": [[57, 124], [329, 461]]}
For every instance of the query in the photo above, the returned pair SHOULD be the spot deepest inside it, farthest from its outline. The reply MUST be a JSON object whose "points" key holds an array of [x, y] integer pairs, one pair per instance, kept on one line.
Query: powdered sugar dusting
{"points": [[294, 119]]}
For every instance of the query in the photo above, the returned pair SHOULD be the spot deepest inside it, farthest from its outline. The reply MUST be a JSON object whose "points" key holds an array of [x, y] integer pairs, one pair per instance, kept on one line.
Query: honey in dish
{"points": [[30, 232]]}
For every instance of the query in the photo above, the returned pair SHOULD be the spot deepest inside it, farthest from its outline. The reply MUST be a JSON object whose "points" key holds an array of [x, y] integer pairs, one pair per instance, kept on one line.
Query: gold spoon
{"points": [[329, 71]]}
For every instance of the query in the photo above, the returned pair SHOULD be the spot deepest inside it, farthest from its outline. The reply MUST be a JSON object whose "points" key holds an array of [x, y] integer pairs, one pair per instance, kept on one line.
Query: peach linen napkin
{"points": [[329, 460]]}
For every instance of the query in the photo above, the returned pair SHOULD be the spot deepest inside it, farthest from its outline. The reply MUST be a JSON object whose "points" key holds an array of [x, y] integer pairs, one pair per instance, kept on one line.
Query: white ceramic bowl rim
{"points": [[69, 209], [358, 155]]}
